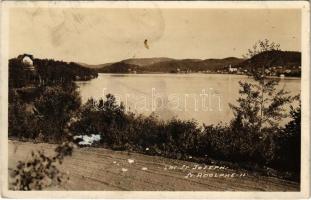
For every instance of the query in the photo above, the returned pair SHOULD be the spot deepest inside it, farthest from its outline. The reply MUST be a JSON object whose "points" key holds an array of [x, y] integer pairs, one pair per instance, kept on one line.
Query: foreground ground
{"points": [[102, 169]]}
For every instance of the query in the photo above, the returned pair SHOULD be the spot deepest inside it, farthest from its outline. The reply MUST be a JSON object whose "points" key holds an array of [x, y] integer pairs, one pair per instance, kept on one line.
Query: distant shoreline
{"points": [[285, 78]]}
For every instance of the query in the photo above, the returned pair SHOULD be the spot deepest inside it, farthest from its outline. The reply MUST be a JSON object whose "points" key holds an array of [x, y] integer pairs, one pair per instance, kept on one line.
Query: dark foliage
{"points": [[21, 122], [121, 130], [290, 139], [47, 116], [284, 60], [120, 67], [237, 142], [275, 58], [52, 71], [47, 72], [55, 108]]}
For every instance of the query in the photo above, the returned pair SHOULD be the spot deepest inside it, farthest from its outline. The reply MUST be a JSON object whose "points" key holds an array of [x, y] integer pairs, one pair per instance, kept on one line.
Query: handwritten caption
{"points": [[205, 171]]}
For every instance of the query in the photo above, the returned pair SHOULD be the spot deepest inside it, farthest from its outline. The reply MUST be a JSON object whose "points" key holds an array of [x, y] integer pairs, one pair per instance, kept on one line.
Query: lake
{"points": [[202, 97]]}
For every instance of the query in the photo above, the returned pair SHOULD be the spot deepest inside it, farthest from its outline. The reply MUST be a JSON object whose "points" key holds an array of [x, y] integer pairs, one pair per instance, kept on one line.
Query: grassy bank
{"points": [[100, 169]]}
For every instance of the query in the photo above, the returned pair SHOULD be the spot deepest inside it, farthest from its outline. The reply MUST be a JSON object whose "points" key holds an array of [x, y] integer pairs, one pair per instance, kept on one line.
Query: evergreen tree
{"points": [[261, 105]]}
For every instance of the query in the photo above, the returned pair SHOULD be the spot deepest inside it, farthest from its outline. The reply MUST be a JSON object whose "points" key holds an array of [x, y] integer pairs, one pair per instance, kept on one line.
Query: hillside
{"points": [[120, 67], [102, 169], [167, 65], [146, 61], [282, 62], [94, 66], [130, 61], [274, 59], [193, 65], [276, 62]]}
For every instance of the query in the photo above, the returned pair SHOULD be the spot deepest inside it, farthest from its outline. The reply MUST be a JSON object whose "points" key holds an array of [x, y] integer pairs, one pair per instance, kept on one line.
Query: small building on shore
{"points": [[27, 60], [232, 69]]}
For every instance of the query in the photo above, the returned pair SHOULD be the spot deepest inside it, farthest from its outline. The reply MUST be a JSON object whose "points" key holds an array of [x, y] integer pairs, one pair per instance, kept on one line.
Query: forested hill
{"points": [[146, 61], [277, 62], [168, 65], [193, 65], [288, 59], [25, 68]]}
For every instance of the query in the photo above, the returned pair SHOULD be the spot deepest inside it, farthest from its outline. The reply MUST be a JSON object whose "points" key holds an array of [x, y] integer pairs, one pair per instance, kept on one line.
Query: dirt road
{"points": [[102, 169]]}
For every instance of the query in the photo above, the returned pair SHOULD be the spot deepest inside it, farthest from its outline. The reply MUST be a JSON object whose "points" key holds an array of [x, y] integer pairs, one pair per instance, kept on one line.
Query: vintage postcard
{"points": [[155, 99]]}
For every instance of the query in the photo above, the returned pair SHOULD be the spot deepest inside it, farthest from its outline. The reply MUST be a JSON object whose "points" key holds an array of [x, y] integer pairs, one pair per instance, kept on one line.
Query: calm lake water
{"points": [[202, 97]]}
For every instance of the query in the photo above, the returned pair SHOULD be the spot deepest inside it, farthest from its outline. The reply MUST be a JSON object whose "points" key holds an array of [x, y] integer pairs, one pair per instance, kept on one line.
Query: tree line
{"points": [[47, 71]]}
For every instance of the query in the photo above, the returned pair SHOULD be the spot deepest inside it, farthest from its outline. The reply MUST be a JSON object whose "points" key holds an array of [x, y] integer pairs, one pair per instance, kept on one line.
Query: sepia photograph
{"points": [[155, 96]]}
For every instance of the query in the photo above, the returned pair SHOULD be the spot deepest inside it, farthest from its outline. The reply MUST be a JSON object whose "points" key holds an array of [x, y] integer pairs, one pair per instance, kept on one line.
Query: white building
{"points": [[28, 63], [232, 69]]}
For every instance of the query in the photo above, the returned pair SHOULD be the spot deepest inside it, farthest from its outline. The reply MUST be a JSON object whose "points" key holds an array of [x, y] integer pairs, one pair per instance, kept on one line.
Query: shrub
{"points": [[55, 107], [105, 118], [288, 143], [238, 141], [124, 130], [22, 124], [233, 143], [48, 115]]}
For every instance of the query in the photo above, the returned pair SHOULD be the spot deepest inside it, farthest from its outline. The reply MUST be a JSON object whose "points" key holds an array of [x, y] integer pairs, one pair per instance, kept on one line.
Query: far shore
{"points": [[149, 73]]}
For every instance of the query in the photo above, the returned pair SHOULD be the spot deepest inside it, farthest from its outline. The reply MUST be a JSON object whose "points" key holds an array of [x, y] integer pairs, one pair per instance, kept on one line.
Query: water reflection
{"points": [[175, 95]]}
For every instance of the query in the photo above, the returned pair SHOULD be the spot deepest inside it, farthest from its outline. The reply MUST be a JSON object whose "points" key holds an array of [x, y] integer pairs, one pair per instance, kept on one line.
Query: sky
{"points": [[102, 35]]}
